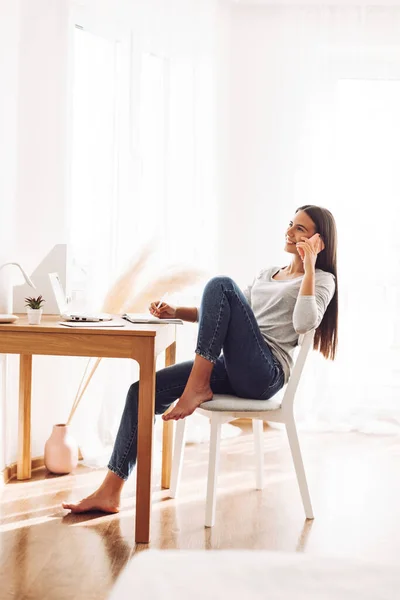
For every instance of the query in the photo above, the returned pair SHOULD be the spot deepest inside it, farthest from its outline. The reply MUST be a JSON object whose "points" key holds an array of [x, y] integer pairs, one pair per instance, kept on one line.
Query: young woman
{"points": [[256, 330]]}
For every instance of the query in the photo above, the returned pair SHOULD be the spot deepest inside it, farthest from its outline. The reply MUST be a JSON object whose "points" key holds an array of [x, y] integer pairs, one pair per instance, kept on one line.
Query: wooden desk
{"points": [[142, 343]]}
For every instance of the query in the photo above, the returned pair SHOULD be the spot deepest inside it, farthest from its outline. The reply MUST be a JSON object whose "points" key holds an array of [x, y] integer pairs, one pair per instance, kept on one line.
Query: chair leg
{"points": [[299, 467], [177, 459], [215, 439], [258, 432]]}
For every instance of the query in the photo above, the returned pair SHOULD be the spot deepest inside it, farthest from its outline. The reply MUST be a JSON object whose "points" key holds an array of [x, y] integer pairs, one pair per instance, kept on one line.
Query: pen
{"points": [[161, 301]]}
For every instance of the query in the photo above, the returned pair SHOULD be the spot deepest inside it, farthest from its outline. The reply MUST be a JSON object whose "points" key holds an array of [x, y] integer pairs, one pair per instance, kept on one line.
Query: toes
{"points": [[179, 415], [171, 415], [75, 508], [71, 507]]}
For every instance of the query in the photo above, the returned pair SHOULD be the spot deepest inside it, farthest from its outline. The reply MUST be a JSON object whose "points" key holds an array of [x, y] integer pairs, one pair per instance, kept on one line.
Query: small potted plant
{"points": [[34, 309]]}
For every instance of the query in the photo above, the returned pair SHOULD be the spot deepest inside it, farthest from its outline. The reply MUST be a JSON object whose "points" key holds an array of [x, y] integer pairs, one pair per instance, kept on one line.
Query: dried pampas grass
{"points": [[121, 290], [81, 390], [125, 295], [171, 282]]}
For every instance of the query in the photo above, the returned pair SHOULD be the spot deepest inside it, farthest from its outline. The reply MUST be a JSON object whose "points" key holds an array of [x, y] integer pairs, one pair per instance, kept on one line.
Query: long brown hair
{"points": [[326, 335]]}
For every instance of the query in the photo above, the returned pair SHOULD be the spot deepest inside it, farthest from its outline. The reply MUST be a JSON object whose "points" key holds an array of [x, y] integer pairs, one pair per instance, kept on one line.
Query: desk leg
{"points": [[145, 443], [168, 430], [24, 418]]}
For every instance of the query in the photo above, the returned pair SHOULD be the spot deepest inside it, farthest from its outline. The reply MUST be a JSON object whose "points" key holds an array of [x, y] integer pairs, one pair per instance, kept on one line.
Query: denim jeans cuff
{"points": [[117, 472], [206, 355]]}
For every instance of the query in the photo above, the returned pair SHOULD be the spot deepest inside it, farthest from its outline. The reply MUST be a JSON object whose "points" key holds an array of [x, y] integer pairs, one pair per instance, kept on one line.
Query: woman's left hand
{"points": [[310, 252]]}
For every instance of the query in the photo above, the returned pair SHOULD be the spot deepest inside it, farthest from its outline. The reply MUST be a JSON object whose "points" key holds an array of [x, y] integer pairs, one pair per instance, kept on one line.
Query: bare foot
{"points": [[99, 501], [188, 403]]}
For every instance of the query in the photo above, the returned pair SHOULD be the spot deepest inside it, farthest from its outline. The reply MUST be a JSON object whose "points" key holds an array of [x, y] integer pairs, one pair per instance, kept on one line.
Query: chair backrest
{"points": [[306, 344]]}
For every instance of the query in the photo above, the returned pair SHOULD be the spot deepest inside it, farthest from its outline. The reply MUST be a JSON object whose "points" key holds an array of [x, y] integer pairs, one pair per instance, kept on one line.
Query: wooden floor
{"points": [[48, 554]]}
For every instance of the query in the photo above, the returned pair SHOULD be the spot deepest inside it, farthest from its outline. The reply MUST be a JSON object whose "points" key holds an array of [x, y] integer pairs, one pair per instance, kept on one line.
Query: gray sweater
{"points": [[282, 314]]}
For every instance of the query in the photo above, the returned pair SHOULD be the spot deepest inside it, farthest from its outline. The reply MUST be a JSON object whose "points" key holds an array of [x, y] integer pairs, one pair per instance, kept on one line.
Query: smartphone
{"points": [[314, 240]]}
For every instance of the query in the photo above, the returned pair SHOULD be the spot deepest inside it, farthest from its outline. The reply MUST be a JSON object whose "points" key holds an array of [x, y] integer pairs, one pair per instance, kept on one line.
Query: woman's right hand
{"points": [[164, 312]]}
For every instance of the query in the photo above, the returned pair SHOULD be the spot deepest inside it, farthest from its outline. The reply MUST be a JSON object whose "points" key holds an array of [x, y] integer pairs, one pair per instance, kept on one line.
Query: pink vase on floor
{"points": [[61, 451]]}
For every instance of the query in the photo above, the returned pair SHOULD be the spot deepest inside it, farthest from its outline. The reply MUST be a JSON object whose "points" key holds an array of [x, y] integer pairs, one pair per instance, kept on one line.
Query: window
{"points": [[94, 161]]}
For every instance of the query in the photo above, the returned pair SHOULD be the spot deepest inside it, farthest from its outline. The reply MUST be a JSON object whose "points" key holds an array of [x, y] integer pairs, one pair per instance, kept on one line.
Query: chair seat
{"points": [[227, 403]]}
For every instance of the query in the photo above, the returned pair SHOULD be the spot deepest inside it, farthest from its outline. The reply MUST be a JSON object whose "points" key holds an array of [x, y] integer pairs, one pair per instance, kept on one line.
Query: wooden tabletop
{"points": [[51, 323]]}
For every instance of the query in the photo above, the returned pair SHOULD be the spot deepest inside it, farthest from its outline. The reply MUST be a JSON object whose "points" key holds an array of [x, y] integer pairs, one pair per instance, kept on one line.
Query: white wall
{"points": [[42, 100], [284, 65], [295, 139], [9, 36], [37, 177], [254, 191], [223, 141]]}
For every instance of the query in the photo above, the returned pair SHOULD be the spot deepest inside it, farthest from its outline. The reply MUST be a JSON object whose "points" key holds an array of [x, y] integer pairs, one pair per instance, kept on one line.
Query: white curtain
{"points": [[361, 390], [155, 187], [328, 82]]}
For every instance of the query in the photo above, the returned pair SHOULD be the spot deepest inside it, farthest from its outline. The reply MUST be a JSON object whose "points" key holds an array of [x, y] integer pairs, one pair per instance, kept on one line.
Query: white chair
{"points": [[223, 408]]}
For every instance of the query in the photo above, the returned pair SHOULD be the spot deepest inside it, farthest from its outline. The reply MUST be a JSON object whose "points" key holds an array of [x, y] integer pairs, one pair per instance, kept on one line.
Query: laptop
{"points": [[63, 309]]}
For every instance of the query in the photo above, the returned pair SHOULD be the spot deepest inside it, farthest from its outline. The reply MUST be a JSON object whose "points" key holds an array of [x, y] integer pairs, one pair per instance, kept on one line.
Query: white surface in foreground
{"points": [[253, 574]]}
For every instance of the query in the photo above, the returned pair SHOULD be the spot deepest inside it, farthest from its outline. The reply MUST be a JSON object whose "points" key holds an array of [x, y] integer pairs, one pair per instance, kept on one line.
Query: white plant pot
{"points": [[34, 315]]}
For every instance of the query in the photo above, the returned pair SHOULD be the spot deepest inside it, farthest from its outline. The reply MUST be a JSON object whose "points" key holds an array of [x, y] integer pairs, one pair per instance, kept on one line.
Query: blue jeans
{"points": [[247, 367]]}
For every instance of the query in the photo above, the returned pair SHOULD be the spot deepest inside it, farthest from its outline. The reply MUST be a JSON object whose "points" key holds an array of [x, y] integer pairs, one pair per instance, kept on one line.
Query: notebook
{"points": [[145, 318]]}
